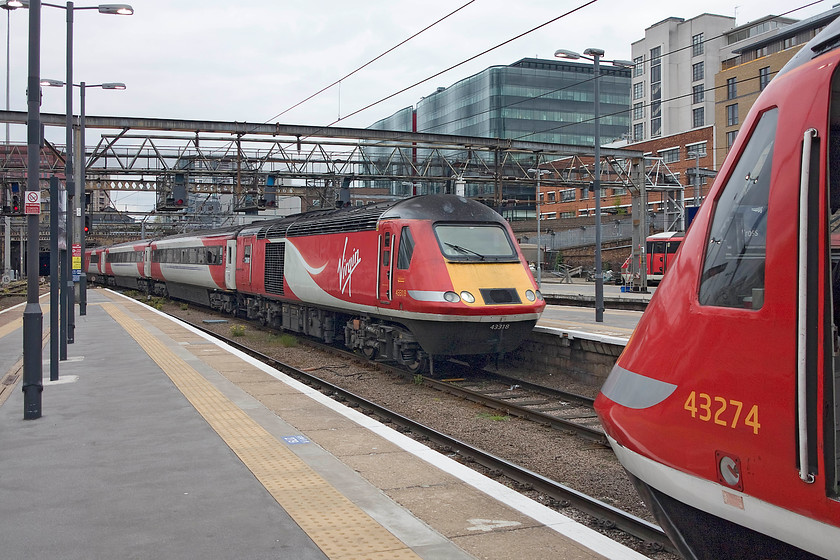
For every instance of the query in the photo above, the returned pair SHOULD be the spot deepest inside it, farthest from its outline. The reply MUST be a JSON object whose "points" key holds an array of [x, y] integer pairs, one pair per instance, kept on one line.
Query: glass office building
{"points": [[532, 100]]}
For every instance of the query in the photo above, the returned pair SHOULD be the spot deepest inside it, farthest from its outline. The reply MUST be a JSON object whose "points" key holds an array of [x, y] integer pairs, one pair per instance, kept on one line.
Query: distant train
{"points": [[660, 250], [725, 405], [436, 275]]}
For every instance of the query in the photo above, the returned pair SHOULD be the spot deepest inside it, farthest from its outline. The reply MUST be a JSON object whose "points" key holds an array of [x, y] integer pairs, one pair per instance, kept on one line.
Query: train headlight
{"points": [[530, 295], [451, 297], [539, 295], [467, 297]]}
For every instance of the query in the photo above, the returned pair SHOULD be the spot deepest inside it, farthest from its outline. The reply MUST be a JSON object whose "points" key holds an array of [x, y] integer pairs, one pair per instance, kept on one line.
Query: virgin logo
{"points": [[346, 267]]}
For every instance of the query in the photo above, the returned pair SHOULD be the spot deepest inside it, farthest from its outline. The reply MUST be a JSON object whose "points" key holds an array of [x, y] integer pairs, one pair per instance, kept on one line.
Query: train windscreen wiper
{"points": [[464, 250]]}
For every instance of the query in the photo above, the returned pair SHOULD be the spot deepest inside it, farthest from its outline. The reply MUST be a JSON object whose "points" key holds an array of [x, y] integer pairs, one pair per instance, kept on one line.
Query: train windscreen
{"points": [[472, 242]]}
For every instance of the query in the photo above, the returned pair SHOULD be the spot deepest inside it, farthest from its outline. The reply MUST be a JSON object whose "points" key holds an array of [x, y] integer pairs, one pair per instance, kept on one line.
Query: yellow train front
{"points": [[456, 279]]}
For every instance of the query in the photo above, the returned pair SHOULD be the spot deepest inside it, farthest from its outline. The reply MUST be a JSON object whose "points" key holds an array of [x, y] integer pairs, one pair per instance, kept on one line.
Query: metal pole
{"points": [[539, 241], [68, 171], [697, 179], [82, 202], [599, 276], [32, 316], [54, 281]]}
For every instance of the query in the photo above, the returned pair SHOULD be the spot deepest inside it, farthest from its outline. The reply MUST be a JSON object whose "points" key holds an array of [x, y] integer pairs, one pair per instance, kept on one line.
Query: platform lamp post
{"points": [[8, 5], [82, 87], [70, 8], [82, 233], [594, 56], [33, 318], [539, 173]]}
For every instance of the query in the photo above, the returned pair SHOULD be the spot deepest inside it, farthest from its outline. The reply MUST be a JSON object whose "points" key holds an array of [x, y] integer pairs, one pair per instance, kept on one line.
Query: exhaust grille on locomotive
{"points": [[274, 257], [500, 296]]}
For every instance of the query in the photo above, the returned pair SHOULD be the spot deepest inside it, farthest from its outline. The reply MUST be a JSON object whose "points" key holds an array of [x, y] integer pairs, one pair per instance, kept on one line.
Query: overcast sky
{"points": [[250, 60]]}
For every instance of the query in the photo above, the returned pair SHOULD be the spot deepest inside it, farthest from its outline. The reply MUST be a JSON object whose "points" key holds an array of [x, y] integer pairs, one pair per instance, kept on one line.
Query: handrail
{"points": [[802, 316]]}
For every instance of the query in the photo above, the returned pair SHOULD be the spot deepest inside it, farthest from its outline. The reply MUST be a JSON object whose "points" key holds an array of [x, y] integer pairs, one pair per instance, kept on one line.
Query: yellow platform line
{"points": [[337, 526], [11, 327]]}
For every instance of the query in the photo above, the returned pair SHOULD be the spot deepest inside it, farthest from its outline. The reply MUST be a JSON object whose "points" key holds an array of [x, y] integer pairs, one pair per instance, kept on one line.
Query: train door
{"points": [[230, 265], [384, 280], [656, 257], [147, 262]]}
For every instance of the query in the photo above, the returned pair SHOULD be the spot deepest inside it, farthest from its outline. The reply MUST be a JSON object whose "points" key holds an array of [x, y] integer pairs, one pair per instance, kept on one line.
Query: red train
{"points": [[436, 275], [725, 405]]}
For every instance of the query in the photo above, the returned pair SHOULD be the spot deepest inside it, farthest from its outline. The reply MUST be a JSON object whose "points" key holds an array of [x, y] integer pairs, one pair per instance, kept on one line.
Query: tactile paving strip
{"points": [[339, 528]]}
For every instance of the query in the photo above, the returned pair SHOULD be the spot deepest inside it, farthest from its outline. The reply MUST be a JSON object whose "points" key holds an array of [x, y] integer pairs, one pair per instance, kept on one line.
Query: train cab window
{"points": [[475, 242], [247, 256], [386, 249], [406, 249], [733, 270]]}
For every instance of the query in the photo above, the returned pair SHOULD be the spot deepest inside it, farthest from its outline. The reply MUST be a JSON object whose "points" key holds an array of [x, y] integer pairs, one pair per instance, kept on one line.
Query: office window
{"points": [[655, 56], [638, 111], [670, 155], [655, 127], [551, 196], [638, 132], [731, 89], [698, 117], [639, 66], [697, 45], [698, 94], [697, 72], [732, 115], [763, 77], [567, 195], [730, 138], [698, 148], [638, 90]]}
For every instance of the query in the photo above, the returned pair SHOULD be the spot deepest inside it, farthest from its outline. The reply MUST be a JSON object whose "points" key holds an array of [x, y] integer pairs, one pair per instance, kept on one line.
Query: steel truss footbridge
{"points": [[257, 162]]}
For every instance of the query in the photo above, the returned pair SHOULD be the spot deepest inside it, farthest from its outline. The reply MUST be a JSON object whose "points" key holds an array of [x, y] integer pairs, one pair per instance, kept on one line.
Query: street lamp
{"points": [[594, 55], [539, 173], [82, 87], [8, 5], [112, 9]]}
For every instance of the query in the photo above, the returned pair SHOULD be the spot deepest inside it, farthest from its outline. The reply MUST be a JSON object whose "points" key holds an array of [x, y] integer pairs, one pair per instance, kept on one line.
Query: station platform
{"points": [[160, 442]]}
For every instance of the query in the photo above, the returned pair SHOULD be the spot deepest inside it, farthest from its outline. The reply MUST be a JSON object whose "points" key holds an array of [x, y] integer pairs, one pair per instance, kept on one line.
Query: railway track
{"points": [[559, 409], [562, 496]]}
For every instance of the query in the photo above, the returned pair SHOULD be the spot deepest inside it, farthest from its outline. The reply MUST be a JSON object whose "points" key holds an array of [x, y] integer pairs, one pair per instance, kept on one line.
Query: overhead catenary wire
{"points": [[368, 63]]}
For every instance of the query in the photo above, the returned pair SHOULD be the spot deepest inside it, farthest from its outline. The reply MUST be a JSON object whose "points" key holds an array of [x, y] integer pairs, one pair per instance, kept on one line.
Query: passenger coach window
{"points": [[733, 270], [406, 249]]}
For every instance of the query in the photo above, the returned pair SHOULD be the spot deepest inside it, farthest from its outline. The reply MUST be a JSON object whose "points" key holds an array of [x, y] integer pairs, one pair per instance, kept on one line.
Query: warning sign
{"points": [[32, 202]]}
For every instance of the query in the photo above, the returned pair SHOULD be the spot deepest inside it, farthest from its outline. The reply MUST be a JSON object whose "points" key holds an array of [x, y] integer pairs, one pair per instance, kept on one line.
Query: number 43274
{"points": [[721, 411]]}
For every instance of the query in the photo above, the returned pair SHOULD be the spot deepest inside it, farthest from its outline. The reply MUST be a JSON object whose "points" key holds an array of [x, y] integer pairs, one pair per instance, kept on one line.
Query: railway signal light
{"points": [[15, 204], [87, 224]]}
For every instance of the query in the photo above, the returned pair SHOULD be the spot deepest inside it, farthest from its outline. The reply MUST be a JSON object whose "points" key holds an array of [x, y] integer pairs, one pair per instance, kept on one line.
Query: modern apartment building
{"points": [[676, 63]]}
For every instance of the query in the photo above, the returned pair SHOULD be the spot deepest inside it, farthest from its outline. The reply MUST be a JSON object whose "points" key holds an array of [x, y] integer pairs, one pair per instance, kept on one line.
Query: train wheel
{"points": [[370, 352], [419, 365]]}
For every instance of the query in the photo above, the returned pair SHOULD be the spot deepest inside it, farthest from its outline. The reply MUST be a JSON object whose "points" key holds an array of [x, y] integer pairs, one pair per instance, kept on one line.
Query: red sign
{"points": [[32, 202]]}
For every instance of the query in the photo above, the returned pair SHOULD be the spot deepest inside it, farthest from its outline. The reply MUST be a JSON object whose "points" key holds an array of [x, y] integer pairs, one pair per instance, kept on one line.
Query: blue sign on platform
{"points": [[293, 440]]}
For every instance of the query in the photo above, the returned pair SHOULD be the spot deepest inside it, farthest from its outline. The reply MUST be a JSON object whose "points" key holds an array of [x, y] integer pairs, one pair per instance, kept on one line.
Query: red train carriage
{"points": [[724, 405], [193, 267], [123, 264]]}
